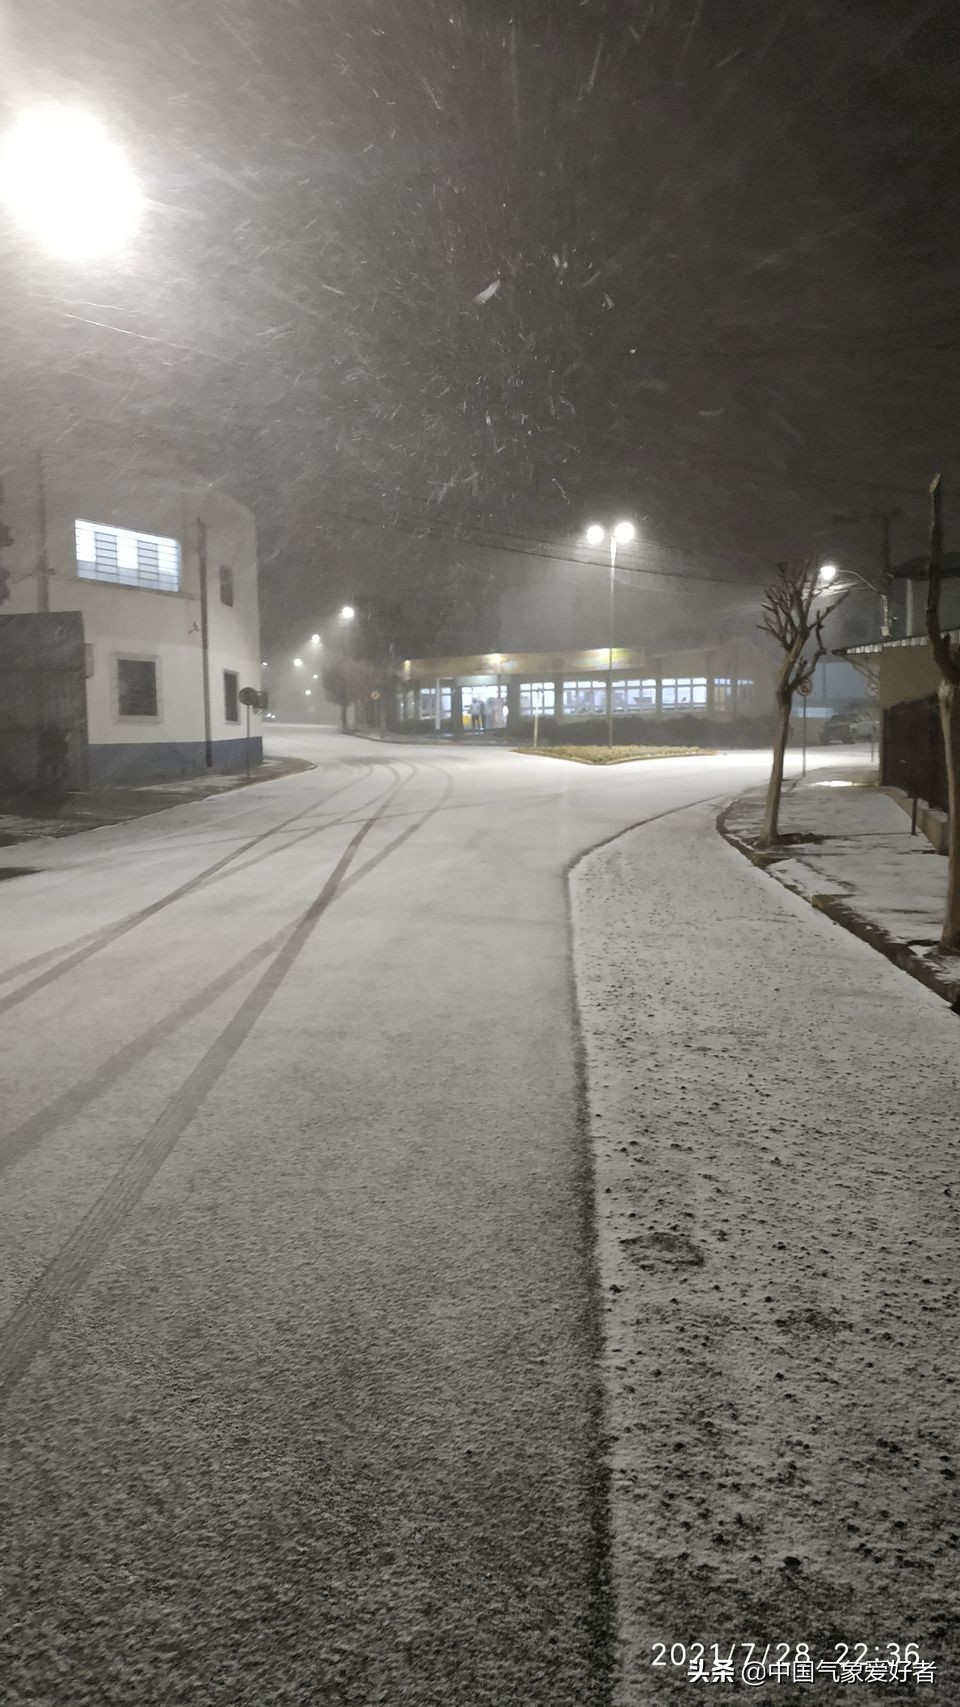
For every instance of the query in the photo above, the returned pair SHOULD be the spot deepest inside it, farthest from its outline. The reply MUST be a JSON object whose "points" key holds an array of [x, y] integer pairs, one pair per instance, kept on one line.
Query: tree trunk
{"points": [[949, 697], [343, 716], [770, 831]]}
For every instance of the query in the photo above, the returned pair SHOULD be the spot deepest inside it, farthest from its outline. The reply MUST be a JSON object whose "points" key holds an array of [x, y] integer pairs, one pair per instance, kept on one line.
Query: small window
{"points": [[136, 687], [226, 586], [231, 703]]}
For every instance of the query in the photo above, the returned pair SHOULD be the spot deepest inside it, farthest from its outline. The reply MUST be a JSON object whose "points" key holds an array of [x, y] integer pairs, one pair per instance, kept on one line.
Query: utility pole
{"points": [[884, 517], [205, 643]]}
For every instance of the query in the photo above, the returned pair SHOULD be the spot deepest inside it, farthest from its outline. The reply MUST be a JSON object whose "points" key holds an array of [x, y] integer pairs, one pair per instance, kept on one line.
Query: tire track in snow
{"points": [[35, 1318], [93, 942]]}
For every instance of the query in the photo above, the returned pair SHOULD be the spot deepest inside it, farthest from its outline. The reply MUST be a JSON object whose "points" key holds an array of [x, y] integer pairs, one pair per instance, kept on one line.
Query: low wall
{"points": [[155, 761]]}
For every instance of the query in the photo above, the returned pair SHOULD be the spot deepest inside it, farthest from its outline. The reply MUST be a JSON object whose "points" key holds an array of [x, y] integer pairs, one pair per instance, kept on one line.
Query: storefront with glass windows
{"points": [[494, 692]]}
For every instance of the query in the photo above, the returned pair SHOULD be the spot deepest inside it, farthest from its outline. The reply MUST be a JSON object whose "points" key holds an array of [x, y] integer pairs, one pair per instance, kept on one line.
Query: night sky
{"points": [[716, 243]]}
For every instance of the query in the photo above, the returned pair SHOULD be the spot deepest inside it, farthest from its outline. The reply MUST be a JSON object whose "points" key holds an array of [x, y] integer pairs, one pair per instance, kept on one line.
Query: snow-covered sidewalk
{"points": [[776, 1144], [849, 849]]}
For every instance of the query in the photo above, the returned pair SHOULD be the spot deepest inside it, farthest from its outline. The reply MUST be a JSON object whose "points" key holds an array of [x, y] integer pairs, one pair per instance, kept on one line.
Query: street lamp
{"points": [[621, 534], [827, 577], [347, 613], [315, 640], [298, 663], [65, 180]]}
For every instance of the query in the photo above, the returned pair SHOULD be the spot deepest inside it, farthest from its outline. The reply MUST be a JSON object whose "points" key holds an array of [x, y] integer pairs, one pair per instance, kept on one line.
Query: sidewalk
{"points": [[775, 1142], [103, 806], [849, 851]]}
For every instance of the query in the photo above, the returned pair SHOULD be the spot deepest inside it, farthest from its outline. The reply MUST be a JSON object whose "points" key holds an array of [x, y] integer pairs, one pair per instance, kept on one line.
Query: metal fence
{"points": [[913, 752]]}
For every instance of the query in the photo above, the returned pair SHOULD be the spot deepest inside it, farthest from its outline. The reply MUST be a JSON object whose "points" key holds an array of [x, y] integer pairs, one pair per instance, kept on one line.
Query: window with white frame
{"points": [[634, 695], [428, 702], [745, 691], [127, 559], [136, 681], [583, 699], [683, 691], [537, 697]]}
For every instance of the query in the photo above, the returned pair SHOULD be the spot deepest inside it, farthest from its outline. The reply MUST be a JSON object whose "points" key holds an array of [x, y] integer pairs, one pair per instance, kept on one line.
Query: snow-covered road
{"points": [[298, 1319]]}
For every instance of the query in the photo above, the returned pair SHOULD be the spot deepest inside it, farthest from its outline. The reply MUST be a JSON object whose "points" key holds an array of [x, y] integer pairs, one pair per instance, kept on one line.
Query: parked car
{"points": [[849, 726]]}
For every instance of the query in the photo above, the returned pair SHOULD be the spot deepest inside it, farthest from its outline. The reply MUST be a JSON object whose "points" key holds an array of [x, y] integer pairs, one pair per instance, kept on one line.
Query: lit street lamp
{"points": [[298, 663], [827, 577], [347, 613], [621, 534], [66, 181], [315, 640]]}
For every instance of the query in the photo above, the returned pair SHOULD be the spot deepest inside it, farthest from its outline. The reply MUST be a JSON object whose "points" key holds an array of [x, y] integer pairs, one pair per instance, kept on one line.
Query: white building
{"points": [[164, 575]]}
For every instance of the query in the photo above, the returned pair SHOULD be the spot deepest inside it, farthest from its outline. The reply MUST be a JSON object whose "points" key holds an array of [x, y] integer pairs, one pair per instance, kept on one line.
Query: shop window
{"points": [[537, 697], [634, 696], [683, 691], [584, 699], [428, 702]]}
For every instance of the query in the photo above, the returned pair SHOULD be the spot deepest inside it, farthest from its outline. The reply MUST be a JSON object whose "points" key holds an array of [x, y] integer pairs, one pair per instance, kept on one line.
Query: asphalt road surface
{"points": [[298, 1307]]}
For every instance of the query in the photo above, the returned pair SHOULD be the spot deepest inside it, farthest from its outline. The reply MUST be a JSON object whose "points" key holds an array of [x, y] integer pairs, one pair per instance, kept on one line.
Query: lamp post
{"points": [[827, 577], [621, 534]]}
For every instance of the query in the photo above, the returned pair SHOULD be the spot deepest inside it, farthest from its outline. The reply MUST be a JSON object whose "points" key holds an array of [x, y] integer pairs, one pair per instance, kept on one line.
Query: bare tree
{"points": [[790, 614], [947, 658]]}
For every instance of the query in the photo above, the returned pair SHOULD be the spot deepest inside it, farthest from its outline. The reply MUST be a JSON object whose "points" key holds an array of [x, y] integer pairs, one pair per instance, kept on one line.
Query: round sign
{"points": [[375, 694], [806, 688], [249, 696]]}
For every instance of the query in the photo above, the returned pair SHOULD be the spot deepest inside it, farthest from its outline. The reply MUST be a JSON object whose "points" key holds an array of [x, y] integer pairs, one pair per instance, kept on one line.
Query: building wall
{"points": [[907, 672], [122, 621]]}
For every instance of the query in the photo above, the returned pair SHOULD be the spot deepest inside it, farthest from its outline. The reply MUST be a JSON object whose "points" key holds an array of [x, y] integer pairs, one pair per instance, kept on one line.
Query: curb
{"points": [[835, 908]]}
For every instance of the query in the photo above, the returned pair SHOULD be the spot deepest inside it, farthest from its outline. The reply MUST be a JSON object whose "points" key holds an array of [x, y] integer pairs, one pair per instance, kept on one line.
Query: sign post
{"points": [[251, 697], [805, 690]]}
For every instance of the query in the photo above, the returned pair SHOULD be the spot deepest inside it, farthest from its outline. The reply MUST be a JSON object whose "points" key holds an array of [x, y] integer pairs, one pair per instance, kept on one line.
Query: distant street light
{"points": [[347, 613], [620, 534], [298, 663], [315, 640], [263, 663], [827, 574], [65, 180], [308, 692]]}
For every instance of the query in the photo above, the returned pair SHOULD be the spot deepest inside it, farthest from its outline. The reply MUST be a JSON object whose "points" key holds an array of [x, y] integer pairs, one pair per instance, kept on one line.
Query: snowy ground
{"points": [[298, 1314], [774, 1109], [862, 853]]}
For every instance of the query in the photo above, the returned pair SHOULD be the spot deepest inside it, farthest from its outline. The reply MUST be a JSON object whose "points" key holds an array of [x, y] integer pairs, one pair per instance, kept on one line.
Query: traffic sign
{"points": [[806, 688]]}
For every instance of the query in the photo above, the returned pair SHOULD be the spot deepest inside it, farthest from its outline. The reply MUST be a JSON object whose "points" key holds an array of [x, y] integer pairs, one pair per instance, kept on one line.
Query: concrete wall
{"points": [[907, 672], [136, 622]]}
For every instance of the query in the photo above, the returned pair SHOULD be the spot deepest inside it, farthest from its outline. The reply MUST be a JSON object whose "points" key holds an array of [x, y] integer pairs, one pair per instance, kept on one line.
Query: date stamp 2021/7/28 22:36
{"points": [[755, 1664]]}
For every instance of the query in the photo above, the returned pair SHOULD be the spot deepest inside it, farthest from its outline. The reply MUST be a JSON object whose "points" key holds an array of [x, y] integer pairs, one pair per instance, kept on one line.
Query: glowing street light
{"points": [[66, 181], [827, 574], [308, 692], [298, 663], [347, 613], [315, 640], [620, 534]]}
